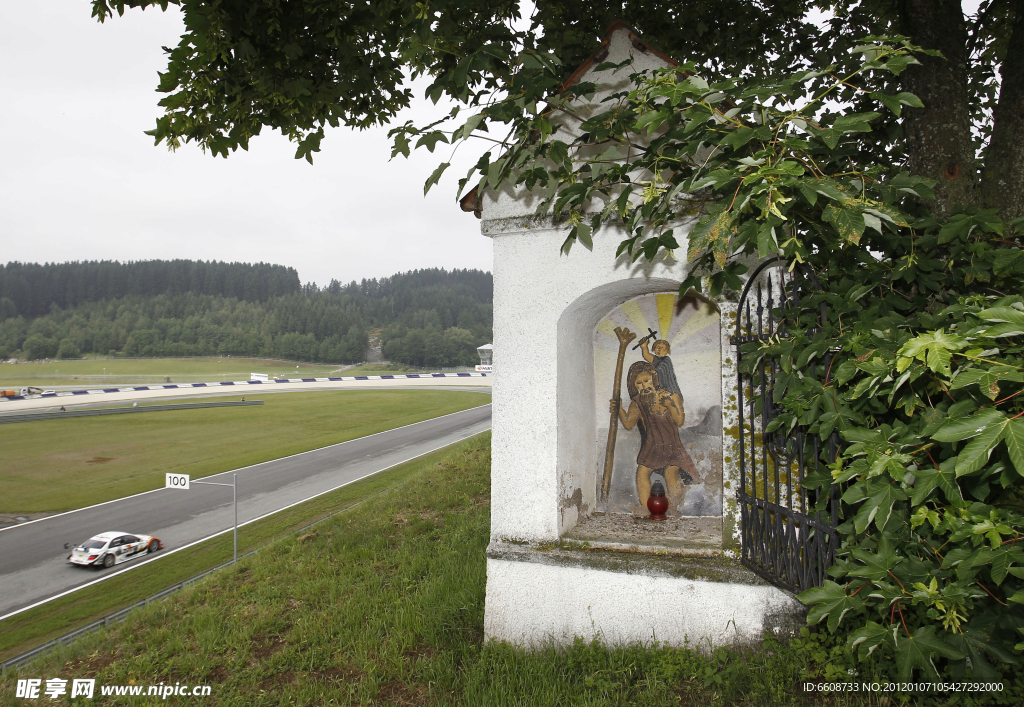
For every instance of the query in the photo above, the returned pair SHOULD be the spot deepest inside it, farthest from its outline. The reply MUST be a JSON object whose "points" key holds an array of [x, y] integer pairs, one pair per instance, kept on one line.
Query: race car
{"points": [[109, 549]]}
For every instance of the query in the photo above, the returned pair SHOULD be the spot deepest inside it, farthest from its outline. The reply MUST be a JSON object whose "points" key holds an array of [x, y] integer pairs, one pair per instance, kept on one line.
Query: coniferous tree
{"points": [[430, 317]]}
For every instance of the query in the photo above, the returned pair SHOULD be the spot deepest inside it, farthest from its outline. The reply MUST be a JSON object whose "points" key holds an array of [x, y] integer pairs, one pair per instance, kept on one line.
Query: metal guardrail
{"points": [[33, 416], [119, 616], [116, 617]]}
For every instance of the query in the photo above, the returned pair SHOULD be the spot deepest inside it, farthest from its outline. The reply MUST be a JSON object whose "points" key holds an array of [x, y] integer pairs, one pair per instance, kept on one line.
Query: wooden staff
{"points": [[624, 336]]}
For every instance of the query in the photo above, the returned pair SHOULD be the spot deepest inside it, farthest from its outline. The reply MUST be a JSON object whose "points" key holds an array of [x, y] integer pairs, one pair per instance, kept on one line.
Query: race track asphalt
{"points": [[32, 555]]}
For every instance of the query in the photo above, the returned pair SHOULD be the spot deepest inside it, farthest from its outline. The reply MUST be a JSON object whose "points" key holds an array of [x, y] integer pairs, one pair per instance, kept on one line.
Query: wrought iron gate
{"points": [[788, 532]]}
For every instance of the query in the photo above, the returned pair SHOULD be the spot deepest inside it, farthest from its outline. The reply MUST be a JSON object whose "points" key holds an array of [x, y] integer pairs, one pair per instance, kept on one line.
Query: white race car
{"points": [[109, 549]]}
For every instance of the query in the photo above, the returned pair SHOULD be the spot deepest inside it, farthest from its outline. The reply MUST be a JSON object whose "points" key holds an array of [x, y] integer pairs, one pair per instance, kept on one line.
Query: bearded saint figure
{"points": [[660, 414]]}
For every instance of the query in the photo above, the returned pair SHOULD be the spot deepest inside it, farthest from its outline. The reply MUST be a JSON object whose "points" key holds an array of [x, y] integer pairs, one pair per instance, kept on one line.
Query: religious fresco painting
{"points": [[662, 355]]}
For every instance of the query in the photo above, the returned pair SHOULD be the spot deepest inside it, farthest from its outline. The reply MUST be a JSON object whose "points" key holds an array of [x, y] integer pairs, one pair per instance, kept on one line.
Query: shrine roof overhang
{"points": [[471, 202]]}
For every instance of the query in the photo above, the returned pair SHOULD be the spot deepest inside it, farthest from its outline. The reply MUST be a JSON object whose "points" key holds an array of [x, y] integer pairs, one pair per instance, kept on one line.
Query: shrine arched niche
{"points": [[674, 361]]}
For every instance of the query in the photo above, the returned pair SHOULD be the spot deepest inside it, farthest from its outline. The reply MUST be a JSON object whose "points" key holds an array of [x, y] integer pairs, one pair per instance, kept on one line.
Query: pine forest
{"points": [[431, 317]]}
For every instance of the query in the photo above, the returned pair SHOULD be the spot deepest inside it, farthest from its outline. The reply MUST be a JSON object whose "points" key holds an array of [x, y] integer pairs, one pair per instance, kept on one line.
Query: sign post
{"points": [[181, 481]]}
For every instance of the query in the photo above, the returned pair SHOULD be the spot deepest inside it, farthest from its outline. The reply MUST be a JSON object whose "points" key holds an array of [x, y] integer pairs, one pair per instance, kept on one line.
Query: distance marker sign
{"points": [[177, 481]]}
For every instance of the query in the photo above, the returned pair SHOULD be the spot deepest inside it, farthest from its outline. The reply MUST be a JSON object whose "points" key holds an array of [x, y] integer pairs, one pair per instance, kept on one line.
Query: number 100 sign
{"points": [[177, 481]]}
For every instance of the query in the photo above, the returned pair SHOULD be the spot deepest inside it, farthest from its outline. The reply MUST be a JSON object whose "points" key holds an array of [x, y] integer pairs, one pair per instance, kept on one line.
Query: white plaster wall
{"points": [[546, 307], [531, 603]]}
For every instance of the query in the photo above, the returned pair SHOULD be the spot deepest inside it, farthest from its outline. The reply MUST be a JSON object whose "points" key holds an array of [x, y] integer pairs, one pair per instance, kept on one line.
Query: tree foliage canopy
{"points": [[300, 66], [34, 288]]}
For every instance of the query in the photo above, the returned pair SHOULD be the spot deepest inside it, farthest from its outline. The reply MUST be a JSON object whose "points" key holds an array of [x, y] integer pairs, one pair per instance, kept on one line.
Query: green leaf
{"points": [[1014, 438], [698, 83], [810, 194], [863, 387], [912, 184], [965, 427], [767, 243], [845, 372], [848, 221], [435, 176], [934, 348], [1000, 561], [583, 233], [713, 233], [831, 189], [401, 145], [1004, 330], [916, 651], [867, 638], [829, 600], [888, 213], [876, 565], [871, 221], [898, 64], [738, 138], [862, 435], [976, 644], [987, 379], [909, 99], [431, 139], [896, 103], [883, 494], [977, 452], [652, 120], [963, 225], [857, 123], [467, 129], [930, 478], [714, 178], [674, 92], [492, 175], [1007, 260], [1002, 314]]}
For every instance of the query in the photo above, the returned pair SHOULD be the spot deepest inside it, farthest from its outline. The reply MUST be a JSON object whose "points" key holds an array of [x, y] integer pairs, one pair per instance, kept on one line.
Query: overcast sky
{"points": [[80, 180]]}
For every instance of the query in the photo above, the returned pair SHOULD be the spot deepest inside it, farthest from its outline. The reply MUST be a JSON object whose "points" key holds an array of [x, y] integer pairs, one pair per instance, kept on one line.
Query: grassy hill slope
{"points": [[384, 605]]}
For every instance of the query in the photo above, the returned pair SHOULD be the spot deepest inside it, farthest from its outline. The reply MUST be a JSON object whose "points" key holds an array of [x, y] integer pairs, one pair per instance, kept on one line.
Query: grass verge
{"points": [[96, 459], [37, 626], [383, 605]]}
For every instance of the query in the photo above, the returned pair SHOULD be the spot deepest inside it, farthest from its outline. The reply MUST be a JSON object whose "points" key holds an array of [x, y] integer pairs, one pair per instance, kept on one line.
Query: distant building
{"points": [[486, 353]]}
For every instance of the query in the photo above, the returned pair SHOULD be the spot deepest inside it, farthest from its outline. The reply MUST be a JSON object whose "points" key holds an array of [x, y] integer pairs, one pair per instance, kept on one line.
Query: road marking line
{"points": [[242, 468], [228, 530]]}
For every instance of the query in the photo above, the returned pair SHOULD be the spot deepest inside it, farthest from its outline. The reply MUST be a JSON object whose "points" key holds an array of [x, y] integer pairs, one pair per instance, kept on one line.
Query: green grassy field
{"points": [[155, 370], [96, 459], [37, 626], [383, 605]]}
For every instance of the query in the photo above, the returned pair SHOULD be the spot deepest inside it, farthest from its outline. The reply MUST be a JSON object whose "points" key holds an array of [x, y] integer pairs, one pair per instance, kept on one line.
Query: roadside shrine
{"points": [[607, 387]]}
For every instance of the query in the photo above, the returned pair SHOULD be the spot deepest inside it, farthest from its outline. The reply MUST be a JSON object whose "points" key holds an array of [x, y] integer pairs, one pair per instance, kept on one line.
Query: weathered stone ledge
{"points": [[703, 564]]}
